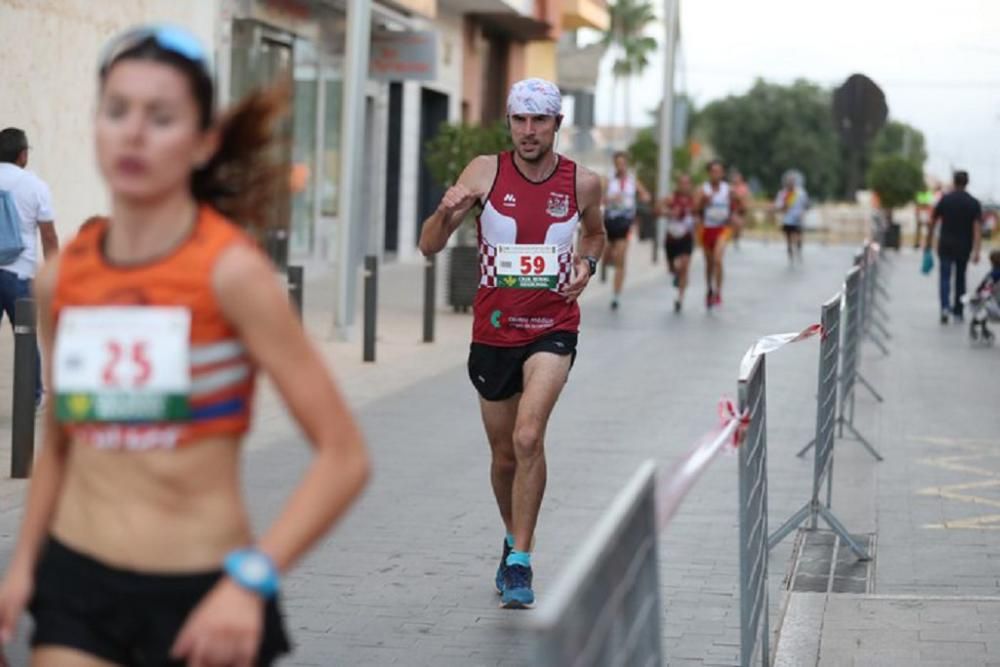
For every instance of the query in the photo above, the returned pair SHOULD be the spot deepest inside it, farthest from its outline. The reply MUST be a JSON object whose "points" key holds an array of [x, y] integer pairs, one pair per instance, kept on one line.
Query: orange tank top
{"points": [[144, 357]]}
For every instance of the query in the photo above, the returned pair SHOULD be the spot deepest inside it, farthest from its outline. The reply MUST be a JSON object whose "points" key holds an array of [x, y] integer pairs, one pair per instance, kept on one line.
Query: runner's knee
{"points": [[527, 441]]}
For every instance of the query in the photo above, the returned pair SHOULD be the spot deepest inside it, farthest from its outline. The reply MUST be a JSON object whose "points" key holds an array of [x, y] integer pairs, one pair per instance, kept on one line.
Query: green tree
{"points": [[896, 180], [644, 153], [627, 39], [898, 138], [773, 128]]}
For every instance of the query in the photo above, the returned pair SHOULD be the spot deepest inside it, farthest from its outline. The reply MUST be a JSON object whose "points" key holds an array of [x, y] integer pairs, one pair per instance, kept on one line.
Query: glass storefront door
{"points": [[312, 65], [261, 57], [305, 104]]}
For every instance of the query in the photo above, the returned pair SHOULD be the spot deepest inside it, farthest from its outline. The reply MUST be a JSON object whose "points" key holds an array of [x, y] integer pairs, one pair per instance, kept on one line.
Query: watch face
{"points": [[254, 569]]}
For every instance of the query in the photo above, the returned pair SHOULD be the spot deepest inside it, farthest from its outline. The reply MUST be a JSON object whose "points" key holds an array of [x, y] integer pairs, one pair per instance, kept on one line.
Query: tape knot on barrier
{"points": [[729, 414]]}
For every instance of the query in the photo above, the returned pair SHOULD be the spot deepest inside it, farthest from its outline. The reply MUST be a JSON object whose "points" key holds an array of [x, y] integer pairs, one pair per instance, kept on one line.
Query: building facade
{"points": [[49, 51], [480, 47]]}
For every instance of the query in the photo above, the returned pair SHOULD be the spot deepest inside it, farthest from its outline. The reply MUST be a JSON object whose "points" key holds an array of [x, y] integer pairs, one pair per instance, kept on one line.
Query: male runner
{"points": [[715, 207], [742, 192], [526, 317], [621, 193], [679, 244]]}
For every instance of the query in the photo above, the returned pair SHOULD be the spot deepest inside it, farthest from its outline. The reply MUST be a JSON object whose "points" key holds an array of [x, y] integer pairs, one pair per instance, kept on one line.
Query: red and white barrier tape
{"points": [[674, 486], [775, 342]]}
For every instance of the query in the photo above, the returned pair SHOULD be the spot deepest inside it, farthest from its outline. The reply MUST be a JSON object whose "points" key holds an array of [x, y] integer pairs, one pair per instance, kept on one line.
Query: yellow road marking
{"points": [[977, 451]]}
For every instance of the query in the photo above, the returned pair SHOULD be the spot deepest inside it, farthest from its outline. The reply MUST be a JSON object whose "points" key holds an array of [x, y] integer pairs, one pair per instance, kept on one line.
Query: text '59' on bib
{"points": [[523, 266], [122, 364]]}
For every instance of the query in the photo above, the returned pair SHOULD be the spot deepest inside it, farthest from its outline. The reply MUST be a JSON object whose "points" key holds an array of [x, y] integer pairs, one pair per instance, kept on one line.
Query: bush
{"points": [[455, 146], [896, 180]]}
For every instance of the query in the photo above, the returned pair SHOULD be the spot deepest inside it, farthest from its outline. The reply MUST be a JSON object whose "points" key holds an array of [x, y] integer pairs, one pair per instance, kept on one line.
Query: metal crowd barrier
{"points": [[826, 420], [605, 607], [868, 260], [866, 300], [754, 630], [850, 377], [878, 317]]}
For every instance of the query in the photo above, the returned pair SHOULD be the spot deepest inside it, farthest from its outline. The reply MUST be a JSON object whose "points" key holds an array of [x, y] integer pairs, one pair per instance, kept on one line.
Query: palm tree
{"points": [[627, 37]]}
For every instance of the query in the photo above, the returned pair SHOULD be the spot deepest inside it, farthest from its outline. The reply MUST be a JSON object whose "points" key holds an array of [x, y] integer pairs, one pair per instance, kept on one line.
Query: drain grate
{"points": [[822, 563]]}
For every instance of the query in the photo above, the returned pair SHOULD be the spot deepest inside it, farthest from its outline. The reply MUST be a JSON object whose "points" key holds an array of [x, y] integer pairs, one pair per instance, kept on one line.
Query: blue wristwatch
{"points": [[254, 571]]}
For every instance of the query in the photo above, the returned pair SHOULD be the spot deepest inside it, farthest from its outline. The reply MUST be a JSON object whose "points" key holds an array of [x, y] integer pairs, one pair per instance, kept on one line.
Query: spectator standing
{"points": [[25, 206], [961, 218]]}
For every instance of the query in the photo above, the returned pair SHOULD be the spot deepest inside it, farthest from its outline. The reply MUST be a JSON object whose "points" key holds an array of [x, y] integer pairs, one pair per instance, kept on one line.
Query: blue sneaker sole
{"points": [[517, 603]]}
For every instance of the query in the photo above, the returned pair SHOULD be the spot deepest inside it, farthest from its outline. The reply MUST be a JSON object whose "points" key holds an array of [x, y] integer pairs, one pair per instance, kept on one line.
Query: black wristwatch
{"points": [[592, 261]]}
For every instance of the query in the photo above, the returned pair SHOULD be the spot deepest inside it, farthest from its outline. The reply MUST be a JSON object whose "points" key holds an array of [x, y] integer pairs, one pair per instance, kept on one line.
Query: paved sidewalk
{"points": [[934, 501], [881, 630]]}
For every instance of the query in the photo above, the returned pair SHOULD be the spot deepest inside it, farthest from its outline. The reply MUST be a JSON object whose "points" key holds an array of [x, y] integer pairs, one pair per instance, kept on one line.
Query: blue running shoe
{"points": [[502, 568], [517, 593]]}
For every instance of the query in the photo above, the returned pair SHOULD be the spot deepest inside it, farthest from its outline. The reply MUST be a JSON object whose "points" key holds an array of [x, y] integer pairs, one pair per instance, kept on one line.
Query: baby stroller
{"points": [[984, 307]]}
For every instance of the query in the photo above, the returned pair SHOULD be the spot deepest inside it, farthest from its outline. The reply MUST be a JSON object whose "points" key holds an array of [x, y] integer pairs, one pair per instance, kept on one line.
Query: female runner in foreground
{"points": [[136, 547]]}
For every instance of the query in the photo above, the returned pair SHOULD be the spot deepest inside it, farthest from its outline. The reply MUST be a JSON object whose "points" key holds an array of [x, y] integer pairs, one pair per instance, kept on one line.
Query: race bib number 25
{"points": [[528, 266], [122, 364]]}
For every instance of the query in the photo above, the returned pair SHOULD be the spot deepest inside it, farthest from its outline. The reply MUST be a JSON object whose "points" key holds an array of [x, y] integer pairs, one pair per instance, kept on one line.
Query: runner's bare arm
{"points": [[935, 216], [644, 195], [662, 205], [472, 186], [592, 236], [252, 300], [736, 202], [47, 475]]}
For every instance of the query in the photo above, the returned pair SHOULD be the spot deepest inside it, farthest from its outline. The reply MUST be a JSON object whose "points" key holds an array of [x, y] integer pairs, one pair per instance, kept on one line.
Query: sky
{"points": [[938, 63]]}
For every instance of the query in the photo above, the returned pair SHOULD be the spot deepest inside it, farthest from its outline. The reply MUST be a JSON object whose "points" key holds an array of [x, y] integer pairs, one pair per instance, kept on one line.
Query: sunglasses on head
{"points": [[169, 38]]}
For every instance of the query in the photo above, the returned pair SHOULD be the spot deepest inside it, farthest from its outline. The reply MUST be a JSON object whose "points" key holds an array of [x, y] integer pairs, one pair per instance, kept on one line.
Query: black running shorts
{"points": [[617, 227], [677, 247], [498, 372], [122, 616]]}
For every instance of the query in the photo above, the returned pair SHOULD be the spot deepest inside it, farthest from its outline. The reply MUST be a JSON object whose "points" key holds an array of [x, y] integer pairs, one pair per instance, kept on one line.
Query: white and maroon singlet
{"points": [[526, 234]]}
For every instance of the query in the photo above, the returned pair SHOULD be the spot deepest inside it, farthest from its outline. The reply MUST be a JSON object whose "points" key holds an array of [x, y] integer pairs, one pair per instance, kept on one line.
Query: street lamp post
{"points": [[670, 13], [352, 171]]}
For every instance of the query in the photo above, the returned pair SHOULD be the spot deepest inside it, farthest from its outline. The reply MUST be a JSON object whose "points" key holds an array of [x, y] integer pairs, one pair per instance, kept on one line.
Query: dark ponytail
{"points": [[246, 180]]}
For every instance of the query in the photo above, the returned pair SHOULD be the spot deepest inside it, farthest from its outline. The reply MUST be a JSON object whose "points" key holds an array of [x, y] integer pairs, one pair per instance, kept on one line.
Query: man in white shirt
{"points": [[33, 202]]}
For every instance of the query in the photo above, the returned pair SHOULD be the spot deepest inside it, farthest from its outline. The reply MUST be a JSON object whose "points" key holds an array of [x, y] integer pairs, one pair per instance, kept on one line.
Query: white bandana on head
{"points": [[534, 97]]}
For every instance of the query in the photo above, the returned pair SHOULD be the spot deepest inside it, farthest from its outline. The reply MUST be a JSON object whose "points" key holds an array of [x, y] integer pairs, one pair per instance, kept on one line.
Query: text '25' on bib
{"points": [[122, 364]]}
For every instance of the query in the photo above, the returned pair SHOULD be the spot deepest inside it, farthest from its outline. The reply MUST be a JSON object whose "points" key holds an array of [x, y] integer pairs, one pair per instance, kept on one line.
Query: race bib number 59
{"points": [[528, 266], [122, 364]]}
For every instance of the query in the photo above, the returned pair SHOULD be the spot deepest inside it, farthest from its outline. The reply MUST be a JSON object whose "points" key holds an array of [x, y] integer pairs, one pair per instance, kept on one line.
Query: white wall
{"points": [[449, 82], [48, 58]]}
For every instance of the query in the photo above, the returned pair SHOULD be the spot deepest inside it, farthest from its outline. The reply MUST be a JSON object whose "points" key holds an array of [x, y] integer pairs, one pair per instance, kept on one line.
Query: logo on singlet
{"points": [[558, 206], [509, 200], [495, 319]]}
